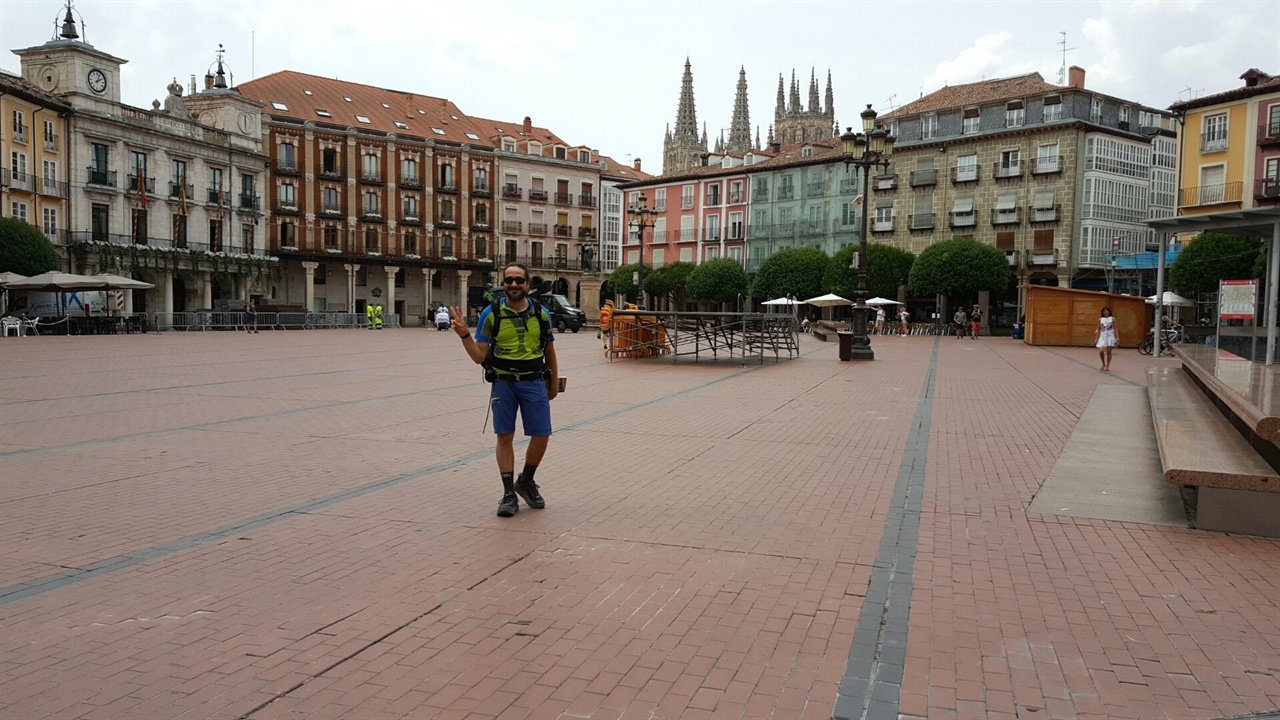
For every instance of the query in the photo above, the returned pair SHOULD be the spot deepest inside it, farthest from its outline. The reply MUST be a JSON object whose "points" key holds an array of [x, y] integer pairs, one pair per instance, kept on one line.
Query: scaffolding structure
{"points": [[648, 333]]}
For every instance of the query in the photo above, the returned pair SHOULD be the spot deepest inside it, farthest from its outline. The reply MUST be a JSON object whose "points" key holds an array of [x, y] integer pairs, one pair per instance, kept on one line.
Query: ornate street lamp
{"points": [[639, 216], [870, 148]]}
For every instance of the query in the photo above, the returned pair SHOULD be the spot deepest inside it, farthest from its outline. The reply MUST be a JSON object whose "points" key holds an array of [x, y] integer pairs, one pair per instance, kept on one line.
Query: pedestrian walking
{"points": [[514, 343], [961, 321], [251, 317], [975, 322], [880, 321], [1104, 337], [904, 322]]}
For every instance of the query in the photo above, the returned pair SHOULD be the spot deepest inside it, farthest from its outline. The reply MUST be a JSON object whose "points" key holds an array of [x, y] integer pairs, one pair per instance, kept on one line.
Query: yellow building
{"points": [[1228, 147], [37, 157]]}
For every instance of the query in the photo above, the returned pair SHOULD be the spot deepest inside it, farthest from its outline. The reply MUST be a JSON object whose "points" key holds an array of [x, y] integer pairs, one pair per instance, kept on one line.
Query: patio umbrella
{"points": [[119, 282], [882, 301], [828, 300], [55, 281], [783, 301], [8, 277], [1171, 298]]}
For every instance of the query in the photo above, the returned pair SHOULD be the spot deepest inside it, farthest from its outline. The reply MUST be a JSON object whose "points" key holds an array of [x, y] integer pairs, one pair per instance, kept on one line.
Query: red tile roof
{"points": [[1265, 84], [614, 169], [301, 95], [11, 84], [495, 130], [976, 93]]}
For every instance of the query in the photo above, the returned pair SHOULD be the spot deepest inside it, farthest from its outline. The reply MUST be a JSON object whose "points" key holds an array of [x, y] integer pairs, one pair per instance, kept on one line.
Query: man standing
{"points": [[368, 312], [251, 317], [513, 340], [961, 320], [377, 315], [975, 322]]}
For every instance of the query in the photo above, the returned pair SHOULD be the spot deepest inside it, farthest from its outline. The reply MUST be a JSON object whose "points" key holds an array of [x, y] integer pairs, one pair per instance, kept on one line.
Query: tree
{"points": [[794, 271], [668, 282], [887, 269], [719, 281], [24, 249], [1212, 257], [959, 267], [621, 279]]}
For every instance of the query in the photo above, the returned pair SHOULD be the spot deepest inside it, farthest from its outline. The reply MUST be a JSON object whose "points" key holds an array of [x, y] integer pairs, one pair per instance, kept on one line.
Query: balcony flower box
{"points": [[449, 258], [373, 253], [288, 247], [412, 256], [333, 251], [485, 260]]}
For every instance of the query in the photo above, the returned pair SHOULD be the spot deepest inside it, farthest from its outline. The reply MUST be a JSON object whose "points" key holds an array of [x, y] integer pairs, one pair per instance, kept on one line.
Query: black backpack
{"points": [[492, 363]]}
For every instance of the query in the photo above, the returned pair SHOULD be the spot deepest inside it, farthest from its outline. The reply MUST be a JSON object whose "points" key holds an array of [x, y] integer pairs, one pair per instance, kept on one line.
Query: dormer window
{"points": [[421, 111], [584, 156], [806, 151], [1014, 114], [969, 125], [508, 145], [560, 153], [535, 148], [1052, 108]]}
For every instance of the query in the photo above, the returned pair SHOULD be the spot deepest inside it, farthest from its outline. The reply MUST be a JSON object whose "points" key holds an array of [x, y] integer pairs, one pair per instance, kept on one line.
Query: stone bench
{"points": [[1247, 390], [1239, 491]]}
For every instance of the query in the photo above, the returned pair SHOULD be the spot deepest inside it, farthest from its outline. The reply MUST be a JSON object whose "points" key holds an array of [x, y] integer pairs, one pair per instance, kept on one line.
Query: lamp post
{"points": [[639, 216], [870, 148]]}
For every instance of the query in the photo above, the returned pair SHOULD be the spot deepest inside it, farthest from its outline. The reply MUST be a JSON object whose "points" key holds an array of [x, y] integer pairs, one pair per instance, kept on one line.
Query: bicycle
{"points": [[1168, 336]]}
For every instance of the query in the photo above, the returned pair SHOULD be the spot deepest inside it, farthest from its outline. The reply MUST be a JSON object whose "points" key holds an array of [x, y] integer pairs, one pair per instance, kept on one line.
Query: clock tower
{"points": [[69, 66]]}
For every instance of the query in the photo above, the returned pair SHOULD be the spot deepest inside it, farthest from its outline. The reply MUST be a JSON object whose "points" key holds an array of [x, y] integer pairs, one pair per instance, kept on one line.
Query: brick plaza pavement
{"points": [[301, 524]]}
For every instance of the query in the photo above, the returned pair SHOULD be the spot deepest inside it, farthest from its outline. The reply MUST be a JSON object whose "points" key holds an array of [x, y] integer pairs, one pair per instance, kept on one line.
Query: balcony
{"points": [[786, 192], [1267, 189], [965, 219], [213, 197], [920, 221], [411, 182], [371, 177], [176, 190], [20, 135], [1269, 134], [563, 199], [288, 207], [760, 195], [51, 143], [1003, 170], [53, 188], [512, 226], [1043, 256], [482, 190], [371, 215], [20, 181], [924, 178], [331, 209], [737, 197], [586, 233], [410, 219], [563, 231], [815, 189], [710, 235], [447, 187], [712, 199], [1213, 141], [104, 178], [246, 202], [287, 167], [538, 196], [686, 203], [512, 192], [1210, 194], [810, 227], [783, 231], [883, 182], [149, 184], [537, 228], [1006, 217], [330, 173], [481, 226], [964, 174], [1046, 214], [881, 226], [1047, 165], [1012, 257], [587, 201], [447, 222], [659, 237], [758, 232], [735, 233]]}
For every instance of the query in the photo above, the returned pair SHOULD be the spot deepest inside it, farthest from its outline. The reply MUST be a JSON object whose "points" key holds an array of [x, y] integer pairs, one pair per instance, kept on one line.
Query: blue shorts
{"points": [[530, 397]]}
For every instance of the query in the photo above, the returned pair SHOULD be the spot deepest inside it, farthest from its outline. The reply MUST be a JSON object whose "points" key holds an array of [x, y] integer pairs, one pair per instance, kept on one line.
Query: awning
{"points": [[1043, 199], [964, 204], [1007, 201], [884, 203]]}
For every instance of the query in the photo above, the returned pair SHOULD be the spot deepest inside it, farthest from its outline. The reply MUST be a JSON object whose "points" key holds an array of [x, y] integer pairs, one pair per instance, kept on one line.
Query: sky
{"points": [[607, 74]]}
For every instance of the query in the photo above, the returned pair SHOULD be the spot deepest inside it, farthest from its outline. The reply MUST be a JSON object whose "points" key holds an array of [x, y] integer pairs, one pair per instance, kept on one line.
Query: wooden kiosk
{"points": [[1063, 316]]}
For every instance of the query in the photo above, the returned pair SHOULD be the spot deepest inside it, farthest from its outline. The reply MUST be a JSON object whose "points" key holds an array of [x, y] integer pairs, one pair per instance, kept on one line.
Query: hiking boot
{"points": [[528, 490], [509, 505]]}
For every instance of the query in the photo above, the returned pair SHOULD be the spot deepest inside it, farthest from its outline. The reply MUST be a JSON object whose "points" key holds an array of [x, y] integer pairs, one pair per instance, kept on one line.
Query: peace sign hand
{"points": [[458, 322]]}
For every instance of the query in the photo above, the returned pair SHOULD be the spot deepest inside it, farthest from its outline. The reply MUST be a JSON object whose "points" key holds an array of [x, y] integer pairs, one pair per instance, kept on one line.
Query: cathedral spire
{"points": [[781, 107], [686, 112], [793, 104], [757, 145], [830, 107], [740, 127], [814, 105], [682, 148]]}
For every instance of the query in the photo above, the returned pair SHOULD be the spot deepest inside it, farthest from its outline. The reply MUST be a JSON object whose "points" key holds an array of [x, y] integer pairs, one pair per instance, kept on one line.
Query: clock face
{"points": [[97, 81], [246, 123]]}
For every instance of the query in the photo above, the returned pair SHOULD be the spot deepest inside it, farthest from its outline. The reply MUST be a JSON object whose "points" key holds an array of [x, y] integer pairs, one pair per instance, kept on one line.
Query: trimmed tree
{"points": [[24, 249], [668, 282], [959, 268], [621, 281], [720, 281], [1212, 257], [794, 271], [887, 268]]}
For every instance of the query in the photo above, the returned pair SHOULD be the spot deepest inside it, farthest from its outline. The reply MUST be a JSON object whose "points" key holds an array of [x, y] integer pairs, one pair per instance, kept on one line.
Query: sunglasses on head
{"points": [[514, 280]]}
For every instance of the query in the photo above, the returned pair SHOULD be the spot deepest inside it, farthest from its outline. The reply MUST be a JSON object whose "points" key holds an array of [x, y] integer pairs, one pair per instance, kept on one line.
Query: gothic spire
{"points": [[757, 145], [686, 112], [781, 107], [703, 141], [830, 107], [814, 105], [740, 127], [793, 104], [771, 134]]}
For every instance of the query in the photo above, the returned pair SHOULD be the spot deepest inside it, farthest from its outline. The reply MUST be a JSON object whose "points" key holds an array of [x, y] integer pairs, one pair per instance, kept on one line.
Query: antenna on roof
{"points": [[890, 103], [1062, 71]]}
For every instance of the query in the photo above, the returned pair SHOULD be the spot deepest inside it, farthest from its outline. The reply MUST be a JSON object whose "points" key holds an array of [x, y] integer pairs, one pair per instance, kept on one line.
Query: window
{"points": [[535, 148], [330, 235], [584, 156], [660, 199], [928, 127], [215, 184], [1005, 241], [922, 213], [1047, 158], [446, 177], [967, 168], [1042, 202], [686, 197], [179, 230], [762, 189], [288, 234], [246, 238], [659, 258], [179, 169], [246, 191], [472, 136], [482, 217], [508, 145], [1007, 207], [785, 189], [323, 113], [18, 210], [50, 135], [970, 122], [411, 243], [410, 206], [806, 151], [19, 126], [371, 203], [1010, 163], [361, 118], [735, 254], [402, 126], [329, 197], [712, 228], [280, 106], [288, 157], [18, 167], [1043, 241], [99, 157], [480, 182], [371, 243], [437, 131], [288, 195], [50, 225], [369, 167], [884, 215], [1214, 133], [1052, 108], [99, 221], [1272, 169], [1124, 114], [50, 176], [446, 211], [1095, 110], [329, 162], [735, 226], [137, 168], [215, 235], [1014, 114], [1212, 184], [560, 153], [962, 213]]}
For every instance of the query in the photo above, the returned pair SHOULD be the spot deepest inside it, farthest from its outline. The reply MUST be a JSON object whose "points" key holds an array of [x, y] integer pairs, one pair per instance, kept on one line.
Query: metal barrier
{"points": [[226, 320], [162, 321]]}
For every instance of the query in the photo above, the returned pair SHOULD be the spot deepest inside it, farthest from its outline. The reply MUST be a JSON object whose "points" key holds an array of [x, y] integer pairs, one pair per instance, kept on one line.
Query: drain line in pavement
{"points": [[872, 683]]}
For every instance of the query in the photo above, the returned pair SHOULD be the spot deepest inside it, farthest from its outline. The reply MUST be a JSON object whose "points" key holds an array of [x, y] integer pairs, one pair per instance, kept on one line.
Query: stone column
{"points": [[390, 307], [128, 302], [351, 269], [206, 290], [462, 289], [166, 293], [589, 298], [984, 305], [427, 273], [308, 280]]}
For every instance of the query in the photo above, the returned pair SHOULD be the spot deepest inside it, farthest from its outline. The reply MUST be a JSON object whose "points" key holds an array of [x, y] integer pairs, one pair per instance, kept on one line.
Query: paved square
{"points": [[301, 524]]}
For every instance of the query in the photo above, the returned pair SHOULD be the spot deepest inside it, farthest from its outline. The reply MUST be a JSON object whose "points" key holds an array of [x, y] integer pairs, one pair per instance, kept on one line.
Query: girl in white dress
{"points": [[1104, 337]]}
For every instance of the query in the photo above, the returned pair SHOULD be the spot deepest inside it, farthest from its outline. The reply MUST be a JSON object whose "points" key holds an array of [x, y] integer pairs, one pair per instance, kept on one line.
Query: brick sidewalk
{"points": [[301, 524]]}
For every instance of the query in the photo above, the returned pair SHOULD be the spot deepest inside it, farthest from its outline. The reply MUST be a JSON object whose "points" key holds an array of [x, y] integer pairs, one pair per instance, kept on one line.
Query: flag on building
{"points": [[142, 188], [257, 208], [182, 196]]}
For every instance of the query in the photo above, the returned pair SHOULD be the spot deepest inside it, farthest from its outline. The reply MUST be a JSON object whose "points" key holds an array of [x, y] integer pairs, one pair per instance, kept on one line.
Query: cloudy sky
{"points": [[607, 74]]}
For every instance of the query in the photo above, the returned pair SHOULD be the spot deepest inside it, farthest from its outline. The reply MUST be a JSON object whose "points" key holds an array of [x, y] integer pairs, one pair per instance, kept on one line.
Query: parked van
{"points": [[564, 316]]}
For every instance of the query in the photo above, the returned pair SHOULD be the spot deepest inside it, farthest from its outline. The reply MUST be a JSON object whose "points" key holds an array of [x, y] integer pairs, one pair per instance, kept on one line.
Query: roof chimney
{"points": [[1252, 76], [636, 165], [775, 146], [208, 81], [528, 125], [1075, 77]]}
